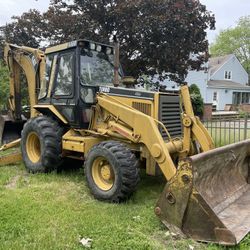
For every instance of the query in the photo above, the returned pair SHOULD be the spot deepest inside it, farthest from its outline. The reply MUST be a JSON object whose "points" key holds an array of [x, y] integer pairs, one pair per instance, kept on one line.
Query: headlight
{"points": [[98, 48], [108, 51], [92, 46]]}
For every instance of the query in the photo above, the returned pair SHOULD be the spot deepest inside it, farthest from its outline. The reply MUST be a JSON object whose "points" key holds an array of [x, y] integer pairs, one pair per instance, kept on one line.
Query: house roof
{"points": [[216, 62], [227, 85]]}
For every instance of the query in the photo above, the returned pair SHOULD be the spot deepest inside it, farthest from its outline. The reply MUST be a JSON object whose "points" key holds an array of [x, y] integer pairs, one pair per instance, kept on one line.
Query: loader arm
{"points": [[193, 128], [159, 150], [140, 134]]}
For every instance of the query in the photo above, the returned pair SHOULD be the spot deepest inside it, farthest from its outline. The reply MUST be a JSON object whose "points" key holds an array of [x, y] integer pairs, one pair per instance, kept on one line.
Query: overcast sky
{"points": [[227, 12]]}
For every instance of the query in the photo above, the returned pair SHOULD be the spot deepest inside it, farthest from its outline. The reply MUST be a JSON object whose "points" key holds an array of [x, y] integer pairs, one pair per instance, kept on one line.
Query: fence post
{"points": [[245, 127]]}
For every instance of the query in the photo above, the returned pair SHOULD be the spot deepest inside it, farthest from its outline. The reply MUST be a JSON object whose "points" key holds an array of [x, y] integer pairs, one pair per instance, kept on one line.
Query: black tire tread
{"points": [[128, 165], [51, 133]]}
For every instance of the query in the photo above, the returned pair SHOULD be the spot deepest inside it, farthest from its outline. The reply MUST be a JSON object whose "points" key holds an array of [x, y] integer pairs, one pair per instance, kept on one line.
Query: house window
{"points": [[228, 75], [215, 96], [245, 98], [236, 98], [241, 98]]}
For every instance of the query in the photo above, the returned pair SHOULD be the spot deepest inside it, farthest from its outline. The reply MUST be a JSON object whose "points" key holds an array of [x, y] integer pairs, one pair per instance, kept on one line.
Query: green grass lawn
{"points": [[54, 211]]}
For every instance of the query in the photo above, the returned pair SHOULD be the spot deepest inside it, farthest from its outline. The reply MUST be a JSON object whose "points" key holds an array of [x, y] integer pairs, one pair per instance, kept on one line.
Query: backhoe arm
{"points": [[30, 61]]}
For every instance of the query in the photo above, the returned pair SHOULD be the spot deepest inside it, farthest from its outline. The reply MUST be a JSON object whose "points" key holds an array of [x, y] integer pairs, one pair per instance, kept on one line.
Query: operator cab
{"points": [[74, 73]]}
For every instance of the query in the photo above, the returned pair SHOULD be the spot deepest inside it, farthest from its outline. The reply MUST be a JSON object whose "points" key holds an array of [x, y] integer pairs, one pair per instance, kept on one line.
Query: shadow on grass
{"points": [[70, 166], [148, 184]]}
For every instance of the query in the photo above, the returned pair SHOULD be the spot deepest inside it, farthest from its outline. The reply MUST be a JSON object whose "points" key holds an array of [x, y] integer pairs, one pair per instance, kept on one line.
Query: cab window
{"points": [[96, 68], [45, 81], [64, 82]]}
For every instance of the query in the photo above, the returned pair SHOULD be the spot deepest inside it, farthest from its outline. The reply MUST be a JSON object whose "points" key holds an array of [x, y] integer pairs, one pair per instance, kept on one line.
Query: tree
{"points": [[2, 31], [235, 41], [1, 47], [155, 36], [26, 30], [196, 99], [4, 85]]}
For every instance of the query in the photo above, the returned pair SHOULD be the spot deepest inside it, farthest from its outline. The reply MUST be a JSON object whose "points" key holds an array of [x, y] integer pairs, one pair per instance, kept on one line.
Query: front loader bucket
{"points": [[209, 197]]}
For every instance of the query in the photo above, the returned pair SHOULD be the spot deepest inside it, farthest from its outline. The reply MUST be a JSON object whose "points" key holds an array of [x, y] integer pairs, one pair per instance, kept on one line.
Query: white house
{"points": [[225, 82]]}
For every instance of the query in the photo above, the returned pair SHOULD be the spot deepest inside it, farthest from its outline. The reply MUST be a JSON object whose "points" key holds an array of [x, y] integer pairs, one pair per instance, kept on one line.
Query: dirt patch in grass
{"points": [[13, 182]]}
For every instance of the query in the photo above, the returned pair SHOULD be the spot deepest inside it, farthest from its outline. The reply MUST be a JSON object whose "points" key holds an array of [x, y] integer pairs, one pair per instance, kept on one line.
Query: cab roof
{"points": [[72, 44]]}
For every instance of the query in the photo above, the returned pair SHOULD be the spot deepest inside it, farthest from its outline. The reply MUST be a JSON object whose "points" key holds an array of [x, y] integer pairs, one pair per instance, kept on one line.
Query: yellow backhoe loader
{"points": [[82, 107]]}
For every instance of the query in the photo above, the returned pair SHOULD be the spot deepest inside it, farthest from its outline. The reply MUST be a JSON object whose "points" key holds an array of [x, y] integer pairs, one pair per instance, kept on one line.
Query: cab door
{"points": [[63, 94]]}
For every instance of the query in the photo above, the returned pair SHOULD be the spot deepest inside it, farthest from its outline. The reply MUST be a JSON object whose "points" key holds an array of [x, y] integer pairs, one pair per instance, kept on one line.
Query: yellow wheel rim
{"points": [[33, 147], [103, 174]]}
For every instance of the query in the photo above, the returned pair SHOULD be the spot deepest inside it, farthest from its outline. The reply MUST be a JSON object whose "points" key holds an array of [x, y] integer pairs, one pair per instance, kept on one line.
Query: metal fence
{"points": [[228, 130]]}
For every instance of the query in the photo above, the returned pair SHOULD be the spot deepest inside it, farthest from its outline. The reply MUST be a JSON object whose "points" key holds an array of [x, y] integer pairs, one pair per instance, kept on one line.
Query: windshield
{"points": [[97, 68]]}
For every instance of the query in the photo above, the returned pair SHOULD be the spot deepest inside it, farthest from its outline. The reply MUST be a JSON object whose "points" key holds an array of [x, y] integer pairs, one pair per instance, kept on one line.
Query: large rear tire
{"points": [[111, 171], [41, 144]]}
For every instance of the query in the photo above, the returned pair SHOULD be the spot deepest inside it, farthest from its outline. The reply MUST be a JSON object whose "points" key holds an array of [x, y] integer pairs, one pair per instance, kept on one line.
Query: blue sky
{"points": [[227, 12]]}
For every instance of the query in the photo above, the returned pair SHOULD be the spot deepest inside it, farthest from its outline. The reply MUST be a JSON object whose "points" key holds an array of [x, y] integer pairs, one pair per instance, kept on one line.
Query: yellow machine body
{"points": [[207, 192]]}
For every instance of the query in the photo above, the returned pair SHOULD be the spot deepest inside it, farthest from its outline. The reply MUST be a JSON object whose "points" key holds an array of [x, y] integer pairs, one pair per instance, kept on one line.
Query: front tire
{"points": [[41, 144], [112, 172]]}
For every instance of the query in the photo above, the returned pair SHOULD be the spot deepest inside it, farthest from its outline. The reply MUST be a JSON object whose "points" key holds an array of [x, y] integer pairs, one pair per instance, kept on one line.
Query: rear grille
{"points": [[143, 107], [170, 115]]}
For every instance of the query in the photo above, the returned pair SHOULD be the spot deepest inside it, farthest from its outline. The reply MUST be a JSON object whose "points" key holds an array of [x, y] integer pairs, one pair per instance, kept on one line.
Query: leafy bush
{"points": [[196, 99], [242, 114]]}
